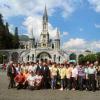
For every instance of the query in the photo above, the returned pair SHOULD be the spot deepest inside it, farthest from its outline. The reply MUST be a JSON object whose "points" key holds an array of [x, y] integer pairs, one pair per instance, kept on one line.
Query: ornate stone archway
{"points": [[43, 56], [15, 56], [4, 58]]}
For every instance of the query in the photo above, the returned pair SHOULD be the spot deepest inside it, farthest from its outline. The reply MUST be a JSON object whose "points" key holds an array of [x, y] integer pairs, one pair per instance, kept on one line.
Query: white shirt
{"points": [[38, 78], [26, 67], [31, 80], [32, 68], [17, 70], [86, 70], [74, 72], [91, 70]]}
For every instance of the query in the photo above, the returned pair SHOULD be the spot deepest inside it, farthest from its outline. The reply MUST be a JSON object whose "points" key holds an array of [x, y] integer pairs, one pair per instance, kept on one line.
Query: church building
{"points": [[45, 48]]}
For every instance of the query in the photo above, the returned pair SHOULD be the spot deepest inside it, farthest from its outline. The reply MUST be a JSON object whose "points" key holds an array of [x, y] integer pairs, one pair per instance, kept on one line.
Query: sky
{"points": [[77, 20]]}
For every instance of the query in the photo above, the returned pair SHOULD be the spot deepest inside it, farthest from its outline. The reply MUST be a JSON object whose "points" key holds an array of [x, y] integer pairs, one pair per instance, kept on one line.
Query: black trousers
{"points": [[98, 81], [46, 82], [11, 82], [92, 82], [20, 86], [68, 83], [31, 87], [80, 82], [86, 83], [74, 83]]}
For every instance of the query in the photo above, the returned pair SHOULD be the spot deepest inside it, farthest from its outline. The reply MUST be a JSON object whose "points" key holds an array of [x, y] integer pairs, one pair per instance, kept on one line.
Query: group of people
{"points": [[45, 75]]}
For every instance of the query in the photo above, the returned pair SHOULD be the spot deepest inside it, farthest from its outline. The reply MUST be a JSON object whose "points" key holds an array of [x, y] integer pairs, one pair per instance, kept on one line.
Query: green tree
{"points": [[2, 33], [1, 19], [91, 58], [16, 39], [8, 37], [1, 58], [98, 57], [7, 40], [81, 59], [72, 56]]}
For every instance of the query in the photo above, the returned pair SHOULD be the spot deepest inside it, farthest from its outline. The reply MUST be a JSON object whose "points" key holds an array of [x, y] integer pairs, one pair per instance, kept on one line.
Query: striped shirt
{"points": [[81, 72]]}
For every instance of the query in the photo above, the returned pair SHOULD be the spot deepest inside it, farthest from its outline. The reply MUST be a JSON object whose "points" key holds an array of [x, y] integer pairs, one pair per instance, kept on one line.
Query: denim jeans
{"points": [[80, 82], [53, 82]]}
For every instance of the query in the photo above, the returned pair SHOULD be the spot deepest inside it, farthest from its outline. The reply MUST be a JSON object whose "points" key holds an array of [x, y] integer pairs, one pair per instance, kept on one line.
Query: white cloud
{"points": [[81, 45], [74, 43], [64, 34], [95, 45], [33, 10], [9, 8], [35, 7], [95, 4], [34, 24], [97, 25], [11, 29]]}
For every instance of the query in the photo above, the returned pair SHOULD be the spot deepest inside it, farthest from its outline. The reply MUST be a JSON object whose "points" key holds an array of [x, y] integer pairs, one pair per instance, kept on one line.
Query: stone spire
{"points": [[45, 15], [57, 41], [45, 21], [44, 37], [57, 34]]}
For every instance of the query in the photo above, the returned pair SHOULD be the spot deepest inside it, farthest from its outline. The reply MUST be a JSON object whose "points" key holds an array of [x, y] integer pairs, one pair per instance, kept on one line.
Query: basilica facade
{"points": [[45, 48]]}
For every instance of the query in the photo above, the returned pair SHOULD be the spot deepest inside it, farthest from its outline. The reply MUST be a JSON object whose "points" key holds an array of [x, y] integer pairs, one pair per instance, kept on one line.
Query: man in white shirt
{"points": [[74, 77], [86, 77], [92, 77], [32, 67]]}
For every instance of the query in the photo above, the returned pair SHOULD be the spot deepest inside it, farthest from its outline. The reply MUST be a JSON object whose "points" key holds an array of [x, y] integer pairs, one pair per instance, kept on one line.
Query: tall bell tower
{"points": [[57, 40], [44, 37]]}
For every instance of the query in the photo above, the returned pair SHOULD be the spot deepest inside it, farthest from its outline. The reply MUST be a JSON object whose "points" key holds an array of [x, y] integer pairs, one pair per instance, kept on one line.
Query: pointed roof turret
{"points": [[45, 15], [58, 34]]}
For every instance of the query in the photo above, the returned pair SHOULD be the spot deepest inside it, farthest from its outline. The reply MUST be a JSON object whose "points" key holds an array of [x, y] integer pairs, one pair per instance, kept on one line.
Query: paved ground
{"points": [[13, 94]]}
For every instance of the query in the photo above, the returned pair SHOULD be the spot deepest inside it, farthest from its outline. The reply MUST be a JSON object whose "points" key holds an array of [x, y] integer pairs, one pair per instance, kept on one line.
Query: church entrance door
{"points": [[43, 56]]}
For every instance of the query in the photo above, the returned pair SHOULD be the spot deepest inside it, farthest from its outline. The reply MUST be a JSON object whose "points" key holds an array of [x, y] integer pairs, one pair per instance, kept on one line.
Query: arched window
{"points": [[54, 58], [22, 58], [32, 57], [28, 58], [59, 58]]}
